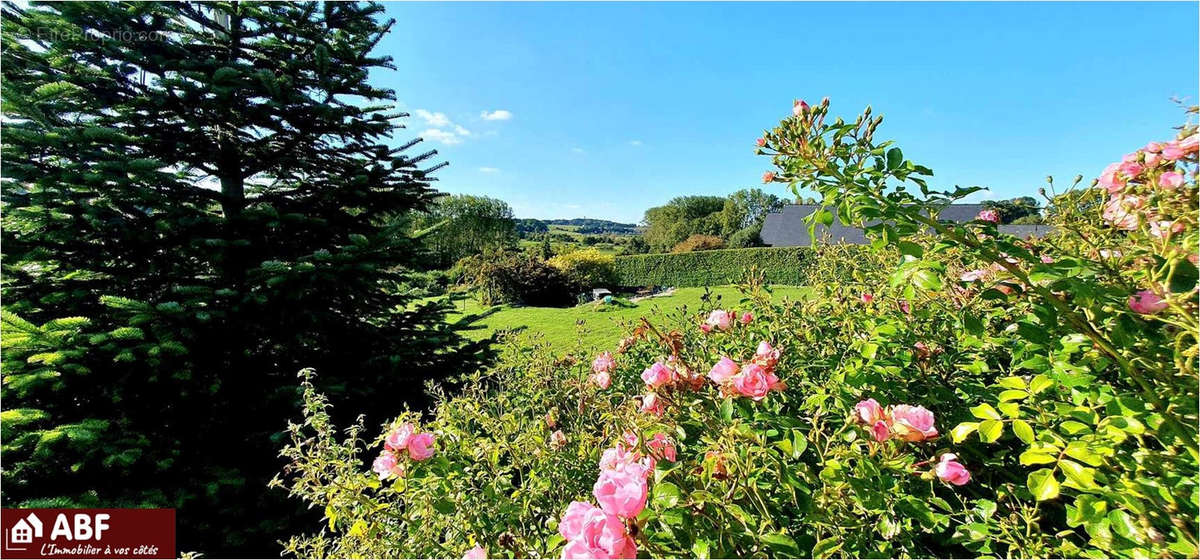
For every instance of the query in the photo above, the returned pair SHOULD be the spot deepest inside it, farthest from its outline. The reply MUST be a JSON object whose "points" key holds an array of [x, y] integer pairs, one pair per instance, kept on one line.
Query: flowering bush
{"points": [[955, 392]]}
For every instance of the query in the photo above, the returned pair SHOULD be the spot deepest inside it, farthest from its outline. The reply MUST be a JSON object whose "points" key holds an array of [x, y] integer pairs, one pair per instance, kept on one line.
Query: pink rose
{"points": [[867, 298], [1131, 169], [1170, 180], [754, 381], [1122, 211], [1191, 144], [1110, 180], [594, 534], [768, 176], [720, 319], [558, 440], [951, 471], [1152, 160], [1146, 302], [620, 493], [420, 447], [989, 215], [761, 142], [398, 438], [868, 412], [658, 375], [651, 404], [662, 447], [1153, 147], [974, 275], [477, 553], [799, 107], [617, 458], [604, 363], [913, 423], [747, 317], [766, 356], [386, 466], [602, 379], [1163, 229], [705, 328], [723, 371], [1047, 259], [1172, 151], [904, 307]]}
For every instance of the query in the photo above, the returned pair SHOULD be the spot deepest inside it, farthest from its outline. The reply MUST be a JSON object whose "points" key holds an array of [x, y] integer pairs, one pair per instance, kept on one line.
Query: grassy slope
{"points": [[597, 327]]}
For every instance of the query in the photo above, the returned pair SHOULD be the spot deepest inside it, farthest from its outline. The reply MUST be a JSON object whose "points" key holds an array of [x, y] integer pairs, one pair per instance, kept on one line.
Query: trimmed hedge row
{"points": [[782, 265]]}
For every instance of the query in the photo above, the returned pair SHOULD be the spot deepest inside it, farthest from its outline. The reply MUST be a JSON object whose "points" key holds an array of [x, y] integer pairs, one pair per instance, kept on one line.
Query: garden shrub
{"points": [[518, 278], [698, 242], [588, 268], [782, 265], [968, 394], [746, 237]]}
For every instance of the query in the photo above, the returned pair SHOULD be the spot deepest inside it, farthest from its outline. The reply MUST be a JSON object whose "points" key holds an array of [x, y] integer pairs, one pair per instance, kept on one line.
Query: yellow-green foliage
{"points": [[587, 268]]}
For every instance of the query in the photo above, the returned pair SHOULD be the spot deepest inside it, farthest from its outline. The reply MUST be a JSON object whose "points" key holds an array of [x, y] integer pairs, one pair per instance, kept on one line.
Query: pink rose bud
{"points": [[420, 447], [386, 466], [989, 215], [661, 446], [1170, 180], [1153, 147], [768, 176], [477, 553], [705, 328], [904, 307], [620, 493], [723, 371], [951, 471], [1047, 259], [658, 375], [747, 317], [913, 423], [761, 142], [880, 432], [558, 439], [398, 438], [1146, 302], [867, 298], [799, 107]]}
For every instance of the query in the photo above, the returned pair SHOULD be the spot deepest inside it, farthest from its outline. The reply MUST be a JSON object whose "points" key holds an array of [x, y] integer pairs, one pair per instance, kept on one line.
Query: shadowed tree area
{"points": [[195, 207]]}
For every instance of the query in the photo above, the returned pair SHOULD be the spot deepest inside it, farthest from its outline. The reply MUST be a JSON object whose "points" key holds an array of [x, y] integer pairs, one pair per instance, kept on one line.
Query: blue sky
{"points": [[602, 110]]}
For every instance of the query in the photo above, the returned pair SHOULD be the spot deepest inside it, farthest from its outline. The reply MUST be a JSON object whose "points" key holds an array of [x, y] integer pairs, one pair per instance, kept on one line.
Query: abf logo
{"points": [[80, 527]]}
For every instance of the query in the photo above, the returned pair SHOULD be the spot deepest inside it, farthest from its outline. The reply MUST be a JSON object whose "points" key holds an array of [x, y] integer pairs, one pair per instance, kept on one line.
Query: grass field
{"points": [[595, 326]]}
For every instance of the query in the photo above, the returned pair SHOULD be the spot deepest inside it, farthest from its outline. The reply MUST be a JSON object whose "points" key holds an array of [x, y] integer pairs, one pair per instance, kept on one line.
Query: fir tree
{"points": [[196, 199]]}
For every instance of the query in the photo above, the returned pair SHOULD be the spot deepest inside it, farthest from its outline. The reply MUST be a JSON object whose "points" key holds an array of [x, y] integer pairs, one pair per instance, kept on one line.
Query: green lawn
{"points": [[596, 326]]}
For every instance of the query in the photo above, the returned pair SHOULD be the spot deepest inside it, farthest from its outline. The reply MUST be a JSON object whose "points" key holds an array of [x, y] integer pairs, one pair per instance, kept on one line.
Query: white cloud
{"points": [[635, 142], [433, 119], [489, 170], [577, 150], [459, 130], [497, 115], [443, 136]]}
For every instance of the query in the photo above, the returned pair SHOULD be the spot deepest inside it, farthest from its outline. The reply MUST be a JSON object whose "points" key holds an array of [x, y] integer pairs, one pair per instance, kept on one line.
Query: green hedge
{"points": [[782, 265]]}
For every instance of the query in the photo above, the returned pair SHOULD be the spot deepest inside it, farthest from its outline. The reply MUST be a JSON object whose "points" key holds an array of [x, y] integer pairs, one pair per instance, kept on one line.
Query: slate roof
{"points": [[786, 227]]}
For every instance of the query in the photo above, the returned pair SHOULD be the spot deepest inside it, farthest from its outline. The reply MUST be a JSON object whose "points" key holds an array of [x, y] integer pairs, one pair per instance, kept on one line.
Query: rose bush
{"points": [[954, 392]]}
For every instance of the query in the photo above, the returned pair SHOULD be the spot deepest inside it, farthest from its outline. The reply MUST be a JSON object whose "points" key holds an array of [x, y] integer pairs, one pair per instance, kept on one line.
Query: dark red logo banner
{"points": [[88, 533]]}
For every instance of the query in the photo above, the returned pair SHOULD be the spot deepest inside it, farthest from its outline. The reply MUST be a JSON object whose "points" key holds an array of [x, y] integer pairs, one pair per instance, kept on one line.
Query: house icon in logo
{"points": [[25, 530]]}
